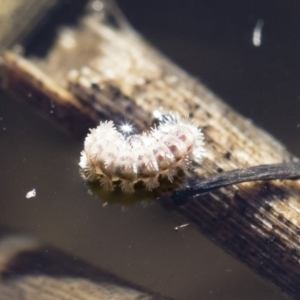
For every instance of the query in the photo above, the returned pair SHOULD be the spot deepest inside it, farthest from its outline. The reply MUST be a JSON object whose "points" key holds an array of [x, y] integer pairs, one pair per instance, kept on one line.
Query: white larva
{"points": [[110, 156]]}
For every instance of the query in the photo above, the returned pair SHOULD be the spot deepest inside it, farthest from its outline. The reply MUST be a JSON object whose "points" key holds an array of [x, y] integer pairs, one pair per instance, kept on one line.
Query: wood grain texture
{"points": [[114, 74]]}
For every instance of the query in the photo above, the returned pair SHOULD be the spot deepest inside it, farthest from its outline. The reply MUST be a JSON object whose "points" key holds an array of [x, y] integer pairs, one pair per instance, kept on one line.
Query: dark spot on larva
{"points": [[208, 114], [220, 170], [191, 115], [173, 148], [159, 158], [183, 137], [197, 106], [227, 155]]}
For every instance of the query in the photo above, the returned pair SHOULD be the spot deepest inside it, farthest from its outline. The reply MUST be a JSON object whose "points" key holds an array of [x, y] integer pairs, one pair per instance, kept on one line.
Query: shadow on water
{"points": [[139, 196]]}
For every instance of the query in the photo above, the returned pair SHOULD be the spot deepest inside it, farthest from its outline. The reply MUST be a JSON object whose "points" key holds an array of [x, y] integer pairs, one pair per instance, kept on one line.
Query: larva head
{"points": [[188, 138], [191, 136], [197, 150]]}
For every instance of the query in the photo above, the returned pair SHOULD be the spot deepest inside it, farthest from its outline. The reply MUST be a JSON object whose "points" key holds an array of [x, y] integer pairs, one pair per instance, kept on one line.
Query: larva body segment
{"points": [[109, 156]]}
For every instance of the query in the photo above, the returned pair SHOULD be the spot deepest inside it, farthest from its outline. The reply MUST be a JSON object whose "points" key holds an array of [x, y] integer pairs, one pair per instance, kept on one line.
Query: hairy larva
{"points": [[110, 155]]}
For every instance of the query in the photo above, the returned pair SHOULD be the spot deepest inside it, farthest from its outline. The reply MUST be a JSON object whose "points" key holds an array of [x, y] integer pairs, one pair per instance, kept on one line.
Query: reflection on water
{"points": [[140, 194], [257, 33], [119, 197]]}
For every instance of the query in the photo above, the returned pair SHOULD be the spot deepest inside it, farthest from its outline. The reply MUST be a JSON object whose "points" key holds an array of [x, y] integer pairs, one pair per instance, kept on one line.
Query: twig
{"points": [[263, 172], [109, 72]]}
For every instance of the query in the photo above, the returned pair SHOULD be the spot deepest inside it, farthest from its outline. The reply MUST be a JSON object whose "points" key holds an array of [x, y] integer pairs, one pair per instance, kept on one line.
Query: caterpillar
{"points": [[110, 155]]}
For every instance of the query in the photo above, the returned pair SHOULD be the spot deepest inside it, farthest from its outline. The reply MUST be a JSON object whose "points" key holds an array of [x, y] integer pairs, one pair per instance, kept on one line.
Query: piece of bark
{"points": [[32, 270], [108, 69], [18, 18], [26, 81]]}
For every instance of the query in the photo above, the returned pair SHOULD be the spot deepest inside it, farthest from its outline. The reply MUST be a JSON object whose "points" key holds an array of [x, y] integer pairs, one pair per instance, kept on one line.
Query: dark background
{"points": [[213, 41]]}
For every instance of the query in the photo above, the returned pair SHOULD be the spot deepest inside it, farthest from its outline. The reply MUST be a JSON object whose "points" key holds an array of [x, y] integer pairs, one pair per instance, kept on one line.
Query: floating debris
{"points": [[256, 37], [181, 226], [31, 194]]}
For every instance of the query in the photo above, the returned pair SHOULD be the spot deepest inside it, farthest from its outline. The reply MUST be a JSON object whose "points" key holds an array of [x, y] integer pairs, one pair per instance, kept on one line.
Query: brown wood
{"points": [[105, 70], [31, 270], [18, 18]]}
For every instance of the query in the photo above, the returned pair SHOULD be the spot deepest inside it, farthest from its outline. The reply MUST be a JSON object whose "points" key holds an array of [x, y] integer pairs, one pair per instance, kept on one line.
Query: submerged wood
{"points": [[30, 270], [102, 69]]}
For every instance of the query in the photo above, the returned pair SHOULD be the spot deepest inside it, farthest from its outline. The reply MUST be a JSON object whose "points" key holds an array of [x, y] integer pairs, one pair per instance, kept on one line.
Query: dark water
{"points": [[214, 41]]}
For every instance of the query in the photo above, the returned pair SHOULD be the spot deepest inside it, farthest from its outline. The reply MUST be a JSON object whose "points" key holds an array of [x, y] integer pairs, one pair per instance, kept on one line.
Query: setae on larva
{"points": [[110, 156]]}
